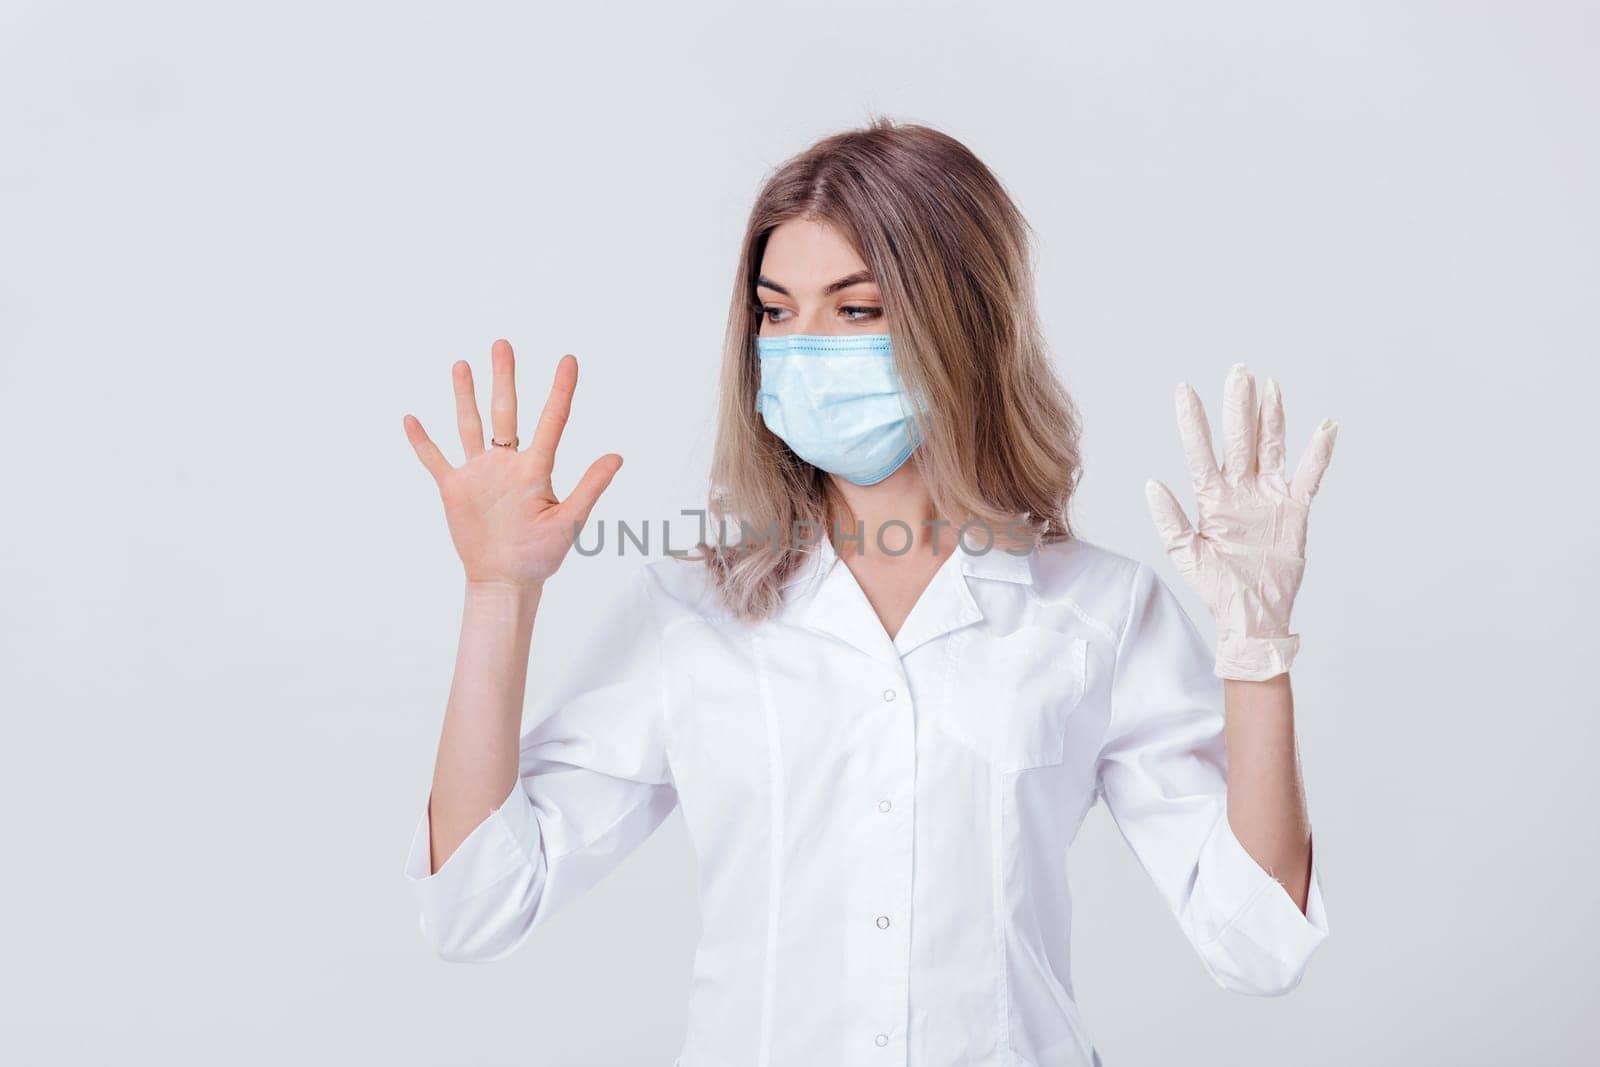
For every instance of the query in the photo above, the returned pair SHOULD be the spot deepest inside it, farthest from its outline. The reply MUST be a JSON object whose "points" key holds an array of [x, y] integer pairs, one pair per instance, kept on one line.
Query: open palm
{"points": [[1245, 553], [505, 519]]}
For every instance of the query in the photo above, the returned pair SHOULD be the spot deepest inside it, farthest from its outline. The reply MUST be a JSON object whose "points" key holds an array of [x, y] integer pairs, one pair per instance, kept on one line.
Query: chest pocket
{"points": [[1009, 696]]}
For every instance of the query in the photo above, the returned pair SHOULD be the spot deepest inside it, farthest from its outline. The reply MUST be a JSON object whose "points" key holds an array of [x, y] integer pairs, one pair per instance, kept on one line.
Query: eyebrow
{"points": [[763, 282]]}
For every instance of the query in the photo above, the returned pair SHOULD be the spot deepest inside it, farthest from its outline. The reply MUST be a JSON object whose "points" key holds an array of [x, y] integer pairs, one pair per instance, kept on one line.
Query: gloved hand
{"points": [[1248, 554]]}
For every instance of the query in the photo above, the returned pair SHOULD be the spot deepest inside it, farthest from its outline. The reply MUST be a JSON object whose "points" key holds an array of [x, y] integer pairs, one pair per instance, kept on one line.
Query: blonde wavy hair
{"points": [[953, 261]]}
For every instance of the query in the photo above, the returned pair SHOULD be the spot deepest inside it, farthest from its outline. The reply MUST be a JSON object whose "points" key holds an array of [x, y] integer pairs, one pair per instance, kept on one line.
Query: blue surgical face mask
{"points": [[837, 403]]}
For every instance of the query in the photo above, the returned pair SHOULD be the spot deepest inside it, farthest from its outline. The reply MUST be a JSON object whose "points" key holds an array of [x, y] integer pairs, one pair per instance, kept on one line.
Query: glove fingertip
{"points": [[1157, 494]]}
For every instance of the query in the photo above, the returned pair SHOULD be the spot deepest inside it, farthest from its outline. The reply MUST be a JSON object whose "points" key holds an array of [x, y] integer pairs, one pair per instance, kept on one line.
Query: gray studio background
{"points": [[236, 245]]}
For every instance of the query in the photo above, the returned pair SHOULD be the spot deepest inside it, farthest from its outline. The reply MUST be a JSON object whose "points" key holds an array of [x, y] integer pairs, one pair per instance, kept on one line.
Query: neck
{"points": [[900, 498]]}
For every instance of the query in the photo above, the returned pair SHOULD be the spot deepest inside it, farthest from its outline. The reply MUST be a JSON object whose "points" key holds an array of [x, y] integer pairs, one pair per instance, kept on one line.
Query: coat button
{"points": [[883, 922], [888, 695], [881, 1040], [884, 805]]}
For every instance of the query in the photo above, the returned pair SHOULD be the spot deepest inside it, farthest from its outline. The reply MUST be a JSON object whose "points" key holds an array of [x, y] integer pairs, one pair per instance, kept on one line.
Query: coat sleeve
{"points": [[594, 783], [1162, 773]]}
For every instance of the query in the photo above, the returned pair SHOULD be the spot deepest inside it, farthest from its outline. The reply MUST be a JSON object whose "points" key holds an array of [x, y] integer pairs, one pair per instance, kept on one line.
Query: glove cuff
{"points": [[1254, 659]]}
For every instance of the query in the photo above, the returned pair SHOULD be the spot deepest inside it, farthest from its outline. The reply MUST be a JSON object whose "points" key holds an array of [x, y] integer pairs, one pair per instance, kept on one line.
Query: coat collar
{"points": [[822, 594]]}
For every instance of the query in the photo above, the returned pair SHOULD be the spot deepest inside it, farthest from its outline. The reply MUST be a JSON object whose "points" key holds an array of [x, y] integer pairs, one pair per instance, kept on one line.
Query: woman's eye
{"points": [[774, 313]]}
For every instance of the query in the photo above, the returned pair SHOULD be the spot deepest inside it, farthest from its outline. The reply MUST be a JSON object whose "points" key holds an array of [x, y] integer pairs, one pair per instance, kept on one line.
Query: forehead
{"points": [[807, 254]]}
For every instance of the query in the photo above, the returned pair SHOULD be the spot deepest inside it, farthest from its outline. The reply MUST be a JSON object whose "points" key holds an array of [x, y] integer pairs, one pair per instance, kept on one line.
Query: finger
{"points": [[1314, 463], [1270, 457], [1196, 434], [1171, 523], [553, 419], [1177, 536], [503, 391], [1239, 424], [582, 499], [468, 424], [426, 450]]}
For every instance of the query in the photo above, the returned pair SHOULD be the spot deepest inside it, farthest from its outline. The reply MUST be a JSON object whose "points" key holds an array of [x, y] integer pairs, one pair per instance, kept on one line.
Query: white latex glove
{"points": [[1248, 555]]}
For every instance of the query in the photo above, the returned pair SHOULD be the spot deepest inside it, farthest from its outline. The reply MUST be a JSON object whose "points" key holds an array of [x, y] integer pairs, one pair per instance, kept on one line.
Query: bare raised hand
{"points": [[505, 519]]}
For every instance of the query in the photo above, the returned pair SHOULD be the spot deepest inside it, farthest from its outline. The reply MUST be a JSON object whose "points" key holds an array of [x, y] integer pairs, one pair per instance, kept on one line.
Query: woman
{"points": [[883, 736]]}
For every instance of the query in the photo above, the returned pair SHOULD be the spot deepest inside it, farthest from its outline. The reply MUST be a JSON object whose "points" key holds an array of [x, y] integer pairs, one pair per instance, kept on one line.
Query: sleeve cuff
{"points": [[1255, 659], [504, 842], [1255, 938]]}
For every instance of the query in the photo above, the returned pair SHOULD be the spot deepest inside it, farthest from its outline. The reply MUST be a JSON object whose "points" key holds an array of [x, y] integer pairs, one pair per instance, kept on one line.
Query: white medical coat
{"points": [[883, 825]]}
